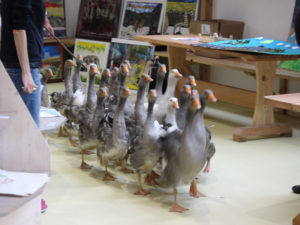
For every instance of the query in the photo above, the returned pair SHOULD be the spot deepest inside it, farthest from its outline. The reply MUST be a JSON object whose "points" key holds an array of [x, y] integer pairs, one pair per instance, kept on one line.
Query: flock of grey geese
{"points": [[156, 135]]}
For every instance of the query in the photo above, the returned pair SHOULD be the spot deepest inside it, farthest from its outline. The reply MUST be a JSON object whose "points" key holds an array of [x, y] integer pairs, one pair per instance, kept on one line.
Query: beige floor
{"points": [[249, 183]]}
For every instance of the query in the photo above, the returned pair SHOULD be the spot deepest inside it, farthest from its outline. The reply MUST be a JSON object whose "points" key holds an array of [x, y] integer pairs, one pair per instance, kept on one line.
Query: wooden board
{"points": [[233, 63], [22, 146], [223, 93], [284, 101]]}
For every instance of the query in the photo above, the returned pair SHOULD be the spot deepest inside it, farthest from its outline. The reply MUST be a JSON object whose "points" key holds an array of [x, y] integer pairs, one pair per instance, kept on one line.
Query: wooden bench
{"points": [[284, 101]]}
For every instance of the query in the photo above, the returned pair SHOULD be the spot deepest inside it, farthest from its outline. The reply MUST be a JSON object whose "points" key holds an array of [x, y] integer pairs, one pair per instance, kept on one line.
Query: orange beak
{"points": [[178, 75], [125, 69], [188, 90], [80, 58], [107, 73], [193, 82], [50, 74], [127, 91], [163, 69], [212, 97], [153, 93], [104, 93], [148, 78], [73, 63], [95, 70], [196, 103], [175, 104]]}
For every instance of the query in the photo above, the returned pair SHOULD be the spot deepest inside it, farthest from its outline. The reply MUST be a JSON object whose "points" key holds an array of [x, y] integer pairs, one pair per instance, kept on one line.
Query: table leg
{"points": [[263, 119]]}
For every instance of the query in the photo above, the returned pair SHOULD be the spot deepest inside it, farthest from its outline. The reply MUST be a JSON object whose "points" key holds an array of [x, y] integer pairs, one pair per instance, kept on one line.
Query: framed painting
{"points": [[137, 52], [56, 15], [98, 19], [92, 52], [140, 17], [53, 58], [179, 14]]}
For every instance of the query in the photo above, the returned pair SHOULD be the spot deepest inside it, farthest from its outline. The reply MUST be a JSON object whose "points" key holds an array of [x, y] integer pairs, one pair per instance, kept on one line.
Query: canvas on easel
{"points": [[98, 19], [56, 15], [140, 17], [179, 14], [292, 65], [137, 52], [92, 52]]}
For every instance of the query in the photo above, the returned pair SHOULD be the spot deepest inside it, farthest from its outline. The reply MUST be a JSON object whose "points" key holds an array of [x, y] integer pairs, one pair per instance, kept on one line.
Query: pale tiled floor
{"points": [[249, 183]]}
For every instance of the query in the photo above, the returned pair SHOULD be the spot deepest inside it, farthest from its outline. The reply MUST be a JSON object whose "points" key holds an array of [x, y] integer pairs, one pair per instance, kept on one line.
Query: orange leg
{"points": [[207, 167], [194, 191], [177, 207], [150, 178], [84, 165], [107, 176], [124, 168], [141, 191]]}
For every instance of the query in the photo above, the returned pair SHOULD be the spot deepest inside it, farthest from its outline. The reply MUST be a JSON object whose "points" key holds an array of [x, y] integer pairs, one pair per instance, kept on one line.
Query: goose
{"points": [[75, 113], [89, 126], [161, 109], [103, 82], [113, 142], [59, 100], [78, 89], [184, 97], [146, 153], [207, 94], [184, 153], [46, 74]]}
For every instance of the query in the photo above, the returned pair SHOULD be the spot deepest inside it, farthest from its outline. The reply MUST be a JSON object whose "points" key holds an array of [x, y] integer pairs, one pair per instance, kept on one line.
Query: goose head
{"points": [[152, 96], [69, 64], [161, 72], [46, 74], [175, 73], [191, 81], [102, 93], [208, 94], [105, 76], [173, 103], [144, 80], [93, 70]]}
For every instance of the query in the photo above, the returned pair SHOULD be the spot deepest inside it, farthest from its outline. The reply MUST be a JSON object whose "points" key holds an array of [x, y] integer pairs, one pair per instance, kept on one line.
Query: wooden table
{"points": [[265, 67]]}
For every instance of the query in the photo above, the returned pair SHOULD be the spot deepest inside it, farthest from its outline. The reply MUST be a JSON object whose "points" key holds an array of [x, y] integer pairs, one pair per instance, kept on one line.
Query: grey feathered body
{"points": [[184, 153]]}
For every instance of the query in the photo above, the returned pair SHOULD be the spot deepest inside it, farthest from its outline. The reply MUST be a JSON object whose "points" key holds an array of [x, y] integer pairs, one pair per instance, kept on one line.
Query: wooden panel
{"points": [[22, 146], [283, 130], [176, 57], [233, 63], [223, 93], [284, 101], [206, 9]]}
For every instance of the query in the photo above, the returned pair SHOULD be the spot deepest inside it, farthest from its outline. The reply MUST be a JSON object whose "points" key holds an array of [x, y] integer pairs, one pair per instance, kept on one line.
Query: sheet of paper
{"points": [[46, 112], [20, 183]]}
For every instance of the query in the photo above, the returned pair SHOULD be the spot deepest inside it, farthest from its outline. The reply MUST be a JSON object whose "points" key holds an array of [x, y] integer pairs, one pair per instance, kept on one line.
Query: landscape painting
{"points": [[56, 16], [92, 52], [179, 14], [98, 19], [141, 17], [138, 53]]}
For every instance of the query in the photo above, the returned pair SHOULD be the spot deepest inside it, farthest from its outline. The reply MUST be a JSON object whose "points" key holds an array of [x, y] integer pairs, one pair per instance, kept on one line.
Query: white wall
{"points": [[267, 18]]}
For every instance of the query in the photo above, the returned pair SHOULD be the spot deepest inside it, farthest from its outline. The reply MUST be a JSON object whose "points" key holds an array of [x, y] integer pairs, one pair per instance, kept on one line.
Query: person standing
{"points": [[21, 48]]}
